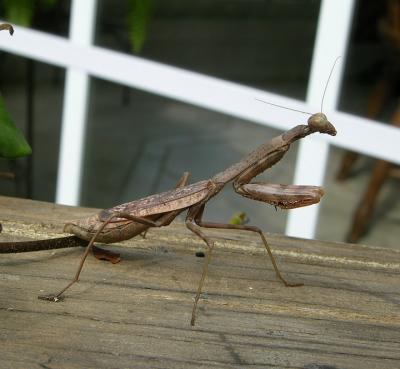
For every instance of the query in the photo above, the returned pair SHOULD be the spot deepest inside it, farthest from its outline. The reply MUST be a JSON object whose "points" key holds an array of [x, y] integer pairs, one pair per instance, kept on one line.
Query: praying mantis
{"points": [[128, 220]]}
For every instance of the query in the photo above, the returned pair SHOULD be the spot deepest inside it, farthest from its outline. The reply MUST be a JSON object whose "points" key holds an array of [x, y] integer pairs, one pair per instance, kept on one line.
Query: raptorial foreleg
{"points": [[282, 196]]}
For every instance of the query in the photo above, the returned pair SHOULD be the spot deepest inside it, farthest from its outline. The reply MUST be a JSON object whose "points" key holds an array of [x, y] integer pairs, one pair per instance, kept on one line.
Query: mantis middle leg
{"points": [[194, 222]]}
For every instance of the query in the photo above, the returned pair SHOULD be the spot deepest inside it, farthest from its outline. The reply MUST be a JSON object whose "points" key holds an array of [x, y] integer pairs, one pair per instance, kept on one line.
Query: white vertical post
{"points": [[331, 41], [82, 24]]}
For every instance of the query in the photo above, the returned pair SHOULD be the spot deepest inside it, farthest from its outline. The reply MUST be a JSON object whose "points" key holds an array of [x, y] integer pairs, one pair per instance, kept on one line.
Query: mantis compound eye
{"points": [[319, 123]]}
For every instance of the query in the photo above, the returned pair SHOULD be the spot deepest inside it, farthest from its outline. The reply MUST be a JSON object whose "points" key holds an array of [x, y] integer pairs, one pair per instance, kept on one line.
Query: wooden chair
{"points": [[389, 28]]}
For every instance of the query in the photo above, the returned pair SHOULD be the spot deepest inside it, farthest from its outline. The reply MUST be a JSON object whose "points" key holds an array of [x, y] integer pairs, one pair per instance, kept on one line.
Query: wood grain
{"points": [[136, 314]]}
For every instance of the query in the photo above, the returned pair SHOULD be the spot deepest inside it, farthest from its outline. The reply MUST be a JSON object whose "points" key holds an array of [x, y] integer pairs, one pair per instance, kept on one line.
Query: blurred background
{"points": [[138, 142]]}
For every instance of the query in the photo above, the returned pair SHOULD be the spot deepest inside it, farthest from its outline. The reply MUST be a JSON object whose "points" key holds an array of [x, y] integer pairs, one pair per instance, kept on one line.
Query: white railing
{"points": [[73, 132], [83, 59]]}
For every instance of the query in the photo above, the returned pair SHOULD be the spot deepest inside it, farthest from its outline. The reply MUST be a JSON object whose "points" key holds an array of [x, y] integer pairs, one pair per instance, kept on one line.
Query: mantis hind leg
{"points": [[164, 219]]}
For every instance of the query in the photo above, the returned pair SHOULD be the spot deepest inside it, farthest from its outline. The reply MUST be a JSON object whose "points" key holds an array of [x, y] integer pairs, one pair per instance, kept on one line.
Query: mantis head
{"points": [[318, 122]]}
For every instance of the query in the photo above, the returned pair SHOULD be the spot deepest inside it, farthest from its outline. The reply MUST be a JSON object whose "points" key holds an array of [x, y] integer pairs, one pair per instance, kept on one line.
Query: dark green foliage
{"points": [[21, 12], [138, 19], [12, 142]]}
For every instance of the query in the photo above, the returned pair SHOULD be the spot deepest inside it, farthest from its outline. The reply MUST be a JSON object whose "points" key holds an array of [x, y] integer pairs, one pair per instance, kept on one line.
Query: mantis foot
{"points": [[51, 297]]}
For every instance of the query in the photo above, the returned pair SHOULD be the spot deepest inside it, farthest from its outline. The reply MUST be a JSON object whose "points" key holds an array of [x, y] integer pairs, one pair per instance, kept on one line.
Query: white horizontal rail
{"points": [[355, 133]]}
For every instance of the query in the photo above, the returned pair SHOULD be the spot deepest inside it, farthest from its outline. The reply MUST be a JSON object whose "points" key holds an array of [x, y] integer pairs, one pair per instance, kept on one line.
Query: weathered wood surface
{"points": [[136, 314]]}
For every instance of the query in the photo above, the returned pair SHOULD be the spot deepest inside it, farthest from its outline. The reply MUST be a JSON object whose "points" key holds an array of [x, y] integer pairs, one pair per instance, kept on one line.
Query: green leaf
{"points": [[12, 142], [19, 11], [138, 19]]}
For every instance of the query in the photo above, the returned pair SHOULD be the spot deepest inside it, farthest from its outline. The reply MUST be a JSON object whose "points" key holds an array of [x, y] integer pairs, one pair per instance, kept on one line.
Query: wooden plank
{"points": [[136, 314]]}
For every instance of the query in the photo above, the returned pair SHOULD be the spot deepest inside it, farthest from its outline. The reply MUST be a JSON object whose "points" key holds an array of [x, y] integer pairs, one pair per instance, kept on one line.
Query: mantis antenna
{"points": [[327, 82], [283, 107], [323, 95]]}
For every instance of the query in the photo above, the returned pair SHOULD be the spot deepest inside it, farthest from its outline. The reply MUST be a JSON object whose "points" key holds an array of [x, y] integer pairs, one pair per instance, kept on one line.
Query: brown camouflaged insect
{"points": [[128, 220]]}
